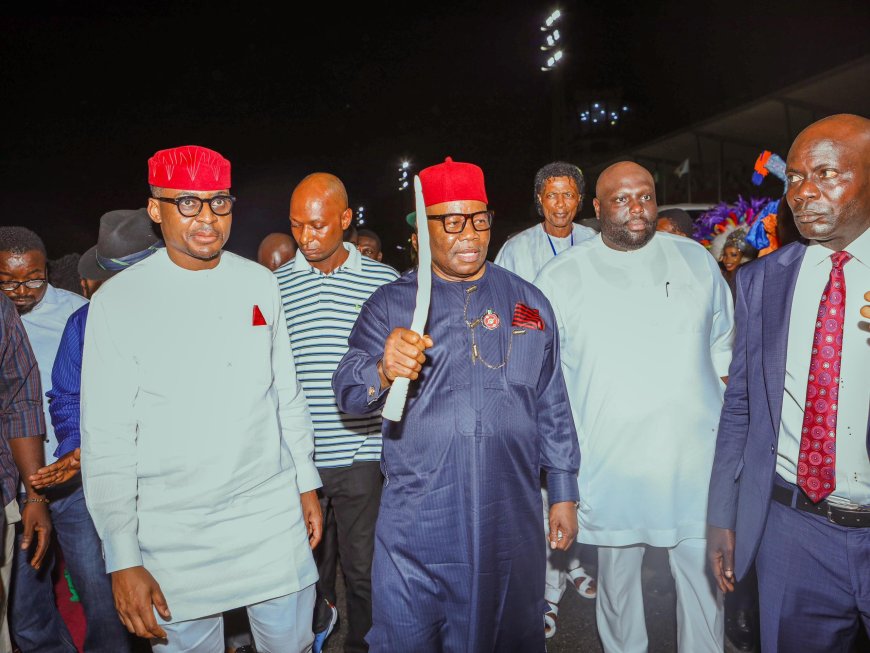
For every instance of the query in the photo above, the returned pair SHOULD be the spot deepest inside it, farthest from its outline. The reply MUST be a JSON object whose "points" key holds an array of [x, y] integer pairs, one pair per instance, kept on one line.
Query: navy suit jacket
{"points": [[745, 462]]}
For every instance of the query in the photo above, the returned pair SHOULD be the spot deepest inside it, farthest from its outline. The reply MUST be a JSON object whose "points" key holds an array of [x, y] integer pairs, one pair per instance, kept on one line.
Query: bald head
{"points": [[853, 131], [828, 173], [318, 217], [615, 173], [322, 185], [625, 205], [275, 250]]}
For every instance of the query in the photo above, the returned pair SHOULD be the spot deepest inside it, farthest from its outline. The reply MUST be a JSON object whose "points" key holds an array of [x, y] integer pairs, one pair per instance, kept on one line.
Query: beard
{"points": [[622, 237], [24, 309]]}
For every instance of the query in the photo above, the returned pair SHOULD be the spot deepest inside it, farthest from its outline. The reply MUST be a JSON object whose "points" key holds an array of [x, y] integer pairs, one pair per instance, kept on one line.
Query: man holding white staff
{"points": [[459, 559], [197, 444]]}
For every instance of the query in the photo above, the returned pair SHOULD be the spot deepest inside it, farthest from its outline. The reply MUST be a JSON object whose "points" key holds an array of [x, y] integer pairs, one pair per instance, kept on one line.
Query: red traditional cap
{"points": [[189, 167], [452, 181]]}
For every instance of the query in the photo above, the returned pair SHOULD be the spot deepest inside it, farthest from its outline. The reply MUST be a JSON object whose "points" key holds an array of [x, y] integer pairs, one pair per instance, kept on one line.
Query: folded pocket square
{"points": [[527, 317], [259, 320]]}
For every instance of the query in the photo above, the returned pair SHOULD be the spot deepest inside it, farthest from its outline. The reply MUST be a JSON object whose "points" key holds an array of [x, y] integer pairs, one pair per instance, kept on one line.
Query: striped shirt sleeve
{"points": [[21, 413]]}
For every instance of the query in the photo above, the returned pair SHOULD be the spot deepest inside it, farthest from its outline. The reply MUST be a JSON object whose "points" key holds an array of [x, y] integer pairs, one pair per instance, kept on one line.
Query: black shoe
{"points": [[741, 629], [321, 636], [325, 615]]}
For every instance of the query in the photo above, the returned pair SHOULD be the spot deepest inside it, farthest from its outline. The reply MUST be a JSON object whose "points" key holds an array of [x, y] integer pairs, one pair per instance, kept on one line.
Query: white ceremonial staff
{"points": [[395, 404]]}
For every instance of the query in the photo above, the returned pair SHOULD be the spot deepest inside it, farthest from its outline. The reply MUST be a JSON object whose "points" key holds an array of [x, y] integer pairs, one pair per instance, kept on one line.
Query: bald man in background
{"points": [[641, 313], [275, 250], [323, 289]]}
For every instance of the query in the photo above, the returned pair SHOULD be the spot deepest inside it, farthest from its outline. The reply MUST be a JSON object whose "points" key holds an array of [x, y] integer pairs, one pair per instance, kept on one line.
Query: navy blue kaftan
{"points": [[460, 549]]}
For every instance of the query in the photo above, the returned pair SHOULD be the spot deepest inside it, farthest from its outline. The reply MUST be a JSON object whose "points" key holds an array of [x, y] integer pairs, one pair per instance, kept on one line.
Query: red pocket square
{"points": [[259, 320], [527, 317]]}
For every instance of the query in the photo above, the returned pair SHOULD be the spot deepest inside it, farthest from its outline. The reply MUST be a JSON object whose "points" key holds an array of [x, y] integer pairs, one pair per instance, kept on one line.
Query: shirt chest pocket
{"points": [[527, 348], [247, 356], [680, 309]]}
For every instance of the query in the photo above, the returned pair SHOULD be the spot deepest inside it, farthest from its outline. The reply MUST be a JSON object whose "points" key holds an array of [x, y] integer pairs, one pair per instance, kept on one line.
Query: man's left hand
{"points": [[563, 525], [36, 519], [312, 516], [60, 471]]}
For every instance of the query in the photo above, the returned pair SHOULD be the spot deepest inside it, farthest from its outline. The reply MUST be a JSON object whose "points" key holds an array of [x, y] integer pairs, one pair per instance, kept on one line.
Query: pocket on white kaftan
{"points": [[248, 356]]}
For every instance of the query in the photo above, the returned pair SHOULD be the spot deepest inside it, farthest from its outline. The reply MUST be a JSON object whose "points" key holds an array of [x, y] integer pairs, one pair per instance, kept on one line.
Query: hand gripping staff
{"points": [[395, 404]]}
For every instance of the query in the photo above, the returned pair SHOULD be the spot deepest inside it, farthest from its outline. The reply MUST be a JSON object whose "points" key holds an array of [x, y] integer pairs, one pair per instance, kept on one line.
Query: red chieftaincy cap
{"points": [[452, 181], [189, 167]]}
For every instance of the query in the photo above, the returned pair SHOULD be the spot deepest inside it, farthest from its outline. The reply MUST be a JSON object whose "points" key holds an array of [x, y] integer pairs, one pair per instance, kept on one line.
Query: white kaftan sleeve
{"points": [[296, 426], [108, 430], [722, 329]]}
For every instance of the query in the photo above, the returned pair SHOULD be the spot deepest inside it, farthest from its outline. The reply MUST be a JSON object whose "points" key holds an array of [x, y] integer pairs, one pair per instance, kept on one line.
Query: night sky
{"points": [[90, 94]]}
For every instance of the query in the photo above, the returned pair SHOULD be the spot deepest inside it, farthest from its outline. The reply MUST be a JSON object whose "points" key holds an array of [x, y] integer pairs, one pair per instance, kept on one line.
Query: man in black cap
{"points": [[125, 237]]}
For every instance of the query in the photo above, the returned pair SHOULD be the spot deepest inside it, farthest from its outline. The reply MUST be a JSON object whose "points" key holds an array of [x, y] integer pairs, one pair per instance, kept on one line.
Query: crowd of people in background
{"points": [[197, 439]]}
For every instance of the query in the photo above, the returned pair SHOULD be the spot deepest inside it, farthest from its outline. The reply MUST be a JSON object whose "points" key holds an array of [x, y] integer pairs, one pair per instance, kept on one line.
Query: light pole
{"points": [[404, 175], [552, 49]]}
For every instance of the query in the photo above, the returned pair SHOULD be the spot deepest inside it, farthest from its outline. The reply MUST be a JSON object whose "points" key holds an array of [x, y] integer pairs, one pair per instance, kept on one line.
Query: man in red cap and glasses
{"points": [[459, 560], [197, 443]]}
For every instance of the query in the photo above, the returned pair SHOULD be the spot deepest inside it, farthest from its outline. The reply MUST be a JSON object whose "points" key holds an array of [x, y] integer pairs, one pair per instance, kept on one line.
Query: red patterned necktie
{"points": [[817, 461]]}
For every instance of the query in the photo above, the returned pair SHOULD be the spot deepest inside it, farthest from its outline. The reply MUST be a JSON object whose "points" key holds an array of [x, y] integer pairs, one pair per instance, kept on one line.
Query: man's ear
{"points": [[346, 218], [154, 210], [597, 206]]}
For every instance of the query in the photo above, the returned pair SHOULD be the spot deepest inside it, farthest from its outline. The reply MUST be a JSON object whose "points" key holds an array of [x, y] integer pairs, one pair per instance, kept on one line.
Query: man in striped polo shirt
{"points": [[323, 289]]}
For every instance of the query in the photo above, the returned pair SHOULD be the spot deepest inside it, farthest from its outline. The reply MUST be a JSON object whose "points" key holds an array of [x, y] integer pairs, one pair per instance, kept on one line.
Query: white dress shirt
{"points": [[44, 325], [853, 406]]}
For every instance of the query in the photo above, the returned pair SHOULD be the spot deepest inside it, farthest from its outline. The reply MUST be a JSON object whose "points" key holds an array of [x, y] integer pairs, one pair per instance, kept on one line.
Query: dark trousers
{"points": [[813, 583], [350, 498], [741, 609], [34, 619]]}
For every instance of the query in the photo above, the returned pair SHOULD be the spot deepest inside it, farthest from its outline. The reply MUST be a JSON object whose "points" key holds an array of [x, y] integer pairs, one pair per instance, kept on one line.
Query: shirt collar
{"points": [[574, 227], [859, 248], [48, 300], [353, 261]]}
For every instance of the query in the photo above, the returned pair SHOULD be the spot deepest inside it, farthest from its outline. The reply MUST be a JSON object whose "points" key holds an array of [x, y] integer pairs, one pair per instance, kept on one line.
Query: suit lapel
{"points": [[780, 279]]}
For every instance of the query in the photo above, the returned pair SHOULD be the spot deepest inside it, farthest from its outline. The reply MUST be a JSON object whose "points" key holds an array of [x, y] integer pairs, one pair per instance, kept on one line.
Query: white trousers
{"points": [[619, 605], [281, 625], [7, 544]]}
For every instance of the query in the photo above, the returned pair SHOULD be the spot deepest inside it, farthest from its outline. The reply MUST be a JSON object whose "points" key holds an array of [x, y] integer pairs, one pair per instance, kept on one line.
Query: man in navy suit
{"points": [[791, 478]]}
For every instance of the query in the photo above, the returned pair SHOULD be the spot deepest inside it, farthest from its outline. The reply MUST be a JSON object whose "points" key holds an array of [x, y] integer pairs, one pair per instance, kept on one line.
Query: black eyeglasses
{"points": [[454, 223], [12, 286], [190, 206]]}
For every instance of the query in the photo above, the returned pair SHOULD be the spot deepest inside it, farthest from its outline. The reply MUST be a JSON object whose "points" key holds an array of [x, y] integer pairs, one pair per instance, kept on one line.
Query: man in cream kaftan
{"points": [[196, 438], [646, 324]]}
